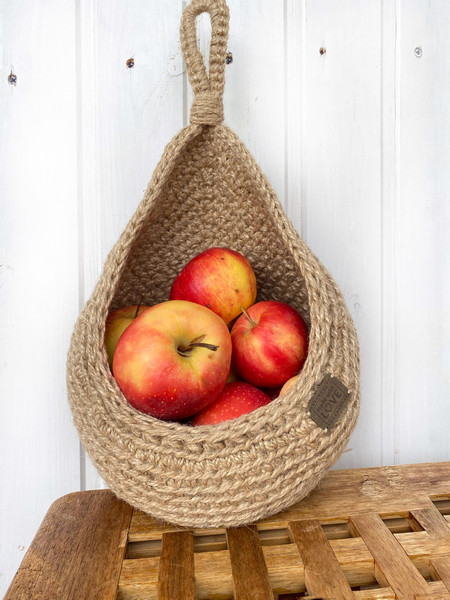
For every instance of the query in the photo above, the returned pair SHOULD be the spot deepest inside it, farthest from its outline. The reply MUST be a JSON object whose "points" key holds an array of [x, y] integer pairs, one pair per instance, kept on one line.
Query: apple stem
{"points": [[183, 350], [138, 306], [249, 317], [203, 345]]}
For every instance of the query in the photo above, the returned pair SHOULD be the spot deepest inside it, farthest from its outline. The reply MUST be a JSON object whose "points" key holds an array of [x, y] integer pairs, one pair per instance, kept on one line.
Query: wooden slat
{"points": [[323, 575], [440, 596], [442, 504], [437, 591], [391, 559], [435, 524], [441, 568], [250, 576], [77, 551], [432, 521], [210, 540], [285, 568], [139, 579], [176, 567]]}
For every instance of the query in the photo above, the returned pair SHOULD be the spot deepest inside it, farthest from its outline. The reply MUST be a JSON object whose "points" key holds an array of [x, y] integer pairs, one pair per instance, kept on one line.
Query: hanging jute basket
{"points": [[207, 191]]}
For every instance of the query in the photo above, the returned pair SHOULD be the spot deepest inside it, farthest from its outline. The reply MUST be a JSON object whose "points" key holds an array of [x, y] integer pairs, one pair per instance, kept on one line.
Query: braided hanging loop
{"points": [[207, 107]]}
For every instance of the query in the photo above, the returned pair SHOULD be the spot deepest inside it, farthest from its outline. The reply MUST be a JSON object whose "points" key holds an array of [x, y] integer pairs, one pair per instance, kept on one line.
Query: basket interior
{"points": [[209, 199]]}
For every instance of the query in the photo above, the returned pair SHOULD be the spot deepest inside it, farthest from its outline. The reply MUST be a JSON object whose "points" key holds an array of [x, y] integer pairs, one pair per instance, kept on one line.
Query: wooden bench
{"points": [[368, 534]]}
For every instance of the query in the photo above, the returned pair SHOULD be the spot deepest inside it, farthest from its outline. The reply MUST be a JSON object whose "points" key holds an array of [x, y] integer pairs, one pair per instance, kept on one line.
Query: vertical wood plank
{"points": [[390, 72], [38, 267], [77, 551], [423, 285], [438, 528], [255, 84], [441, 568], [294, 43], [176, 567], [394, 565], [250, 576], [323, 575], [126, 117], [342, 186], [432, 521]]}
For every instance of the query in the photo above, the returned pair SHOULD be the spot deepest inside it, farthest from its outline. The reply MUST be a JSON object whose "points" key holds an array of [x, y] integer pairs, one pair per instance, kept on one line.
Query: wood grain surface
{"points": [[441, 570], [176, 566], [432, 522], [77, 552], [393, 566], [323, 575], [250, 576]]}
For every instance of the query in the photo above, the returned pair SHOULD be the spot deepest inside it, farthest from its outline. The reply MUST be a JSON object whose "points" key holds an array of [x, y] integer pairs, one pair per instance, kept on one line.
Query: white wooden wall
{"points": [[345, 105]]}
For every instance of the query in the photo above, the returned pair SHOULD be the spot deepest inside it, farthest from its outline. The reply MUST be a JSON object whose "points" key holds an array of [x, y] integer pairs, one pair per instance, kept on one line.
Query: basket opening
{"points": [[206, 203]]}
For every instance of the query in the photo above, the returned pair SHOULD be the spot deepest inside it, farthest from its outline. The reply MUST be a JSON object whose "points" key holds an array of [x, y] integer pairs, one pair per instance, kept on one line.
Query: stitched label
{"points": [[328, 402]]}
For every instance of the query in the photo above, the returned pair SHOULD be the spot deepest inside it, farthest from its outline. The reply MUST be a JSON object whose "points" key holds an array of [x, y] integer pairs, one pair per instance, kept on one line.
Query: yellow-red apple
{"points": [[220, 279], [238, 398], [288, 385], [116, 323], [173, 360], [270, 343]]}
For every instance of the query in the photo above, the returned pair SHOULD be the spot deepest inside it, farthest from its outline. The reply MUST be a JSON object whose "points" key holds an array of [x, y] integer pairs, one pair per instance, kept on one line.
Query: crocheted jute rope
{"points": [[207, 190]]}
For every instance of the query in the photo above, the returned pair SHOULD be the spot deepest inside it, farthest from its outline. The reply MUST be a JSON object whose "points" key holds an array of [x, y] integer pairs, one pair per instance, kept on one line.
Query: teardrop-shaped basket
{"points": [[207, 190]]}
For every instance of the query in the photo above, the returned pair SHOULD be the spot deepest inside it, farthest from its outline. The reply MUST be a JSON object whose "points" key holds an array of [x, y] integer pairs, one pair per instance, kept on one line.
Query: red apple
{"points": [[116, 323], [220, 279], [173, 360], [270, 343], [238, 398]]}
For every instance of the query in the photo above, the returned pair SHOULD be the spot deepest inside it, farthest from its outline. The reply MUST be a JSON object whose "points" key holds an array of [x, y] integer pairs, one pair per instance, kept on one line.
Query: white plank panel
{"points": [[390, 64], [423, 242], [294, 57], [342, 188], [127, 116], [39, 449], [256, 83]]}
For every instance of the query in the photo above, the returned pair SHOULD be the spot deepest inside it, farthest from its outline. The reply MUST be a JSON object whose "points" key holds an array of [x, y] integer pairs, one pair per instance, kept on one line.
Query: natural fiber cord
{"points": [[208, 191]]}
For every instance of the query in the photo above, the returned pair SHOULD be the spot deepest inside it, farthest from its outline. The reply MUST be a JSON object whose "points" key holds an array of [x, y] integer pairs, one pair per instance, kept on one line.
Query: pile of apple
{"points": [[209, 353]]}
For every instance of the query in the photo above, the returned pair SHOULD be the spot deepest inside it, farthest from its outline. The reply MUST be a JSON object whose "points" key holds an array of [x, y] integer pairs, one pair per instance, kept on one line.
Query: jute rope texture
{"points": [[207, 190]]}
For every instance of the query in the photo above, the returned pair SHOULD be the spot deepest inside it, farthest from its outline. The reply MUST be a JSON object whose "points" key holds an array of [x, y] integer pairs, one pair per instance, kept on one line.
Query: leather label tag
{"points": [[328, 402]]}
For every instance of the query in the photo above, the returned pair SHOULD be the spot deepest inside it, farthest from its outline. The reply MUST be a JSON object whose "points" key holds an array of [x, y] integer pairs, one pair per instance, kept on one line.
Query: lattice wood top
{"points": [[367, 534]]}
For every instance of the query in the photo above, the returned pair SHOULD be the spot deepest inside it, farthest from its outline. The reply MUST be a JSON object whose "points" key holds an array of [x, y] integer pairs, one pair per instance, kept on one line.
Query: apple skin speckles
{"points": [[238, 398]]}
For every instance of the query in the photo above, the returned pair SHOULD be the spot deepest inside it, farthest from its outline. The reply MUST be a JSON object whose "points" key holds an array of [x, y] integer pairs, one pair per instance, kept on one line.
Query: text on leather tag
{"points": [[328, 402]]}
